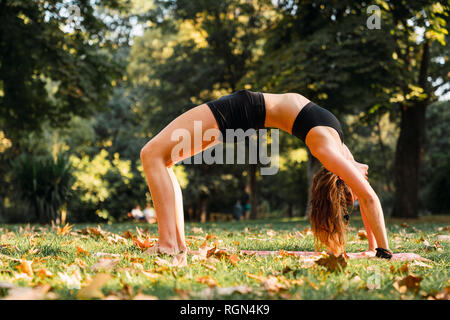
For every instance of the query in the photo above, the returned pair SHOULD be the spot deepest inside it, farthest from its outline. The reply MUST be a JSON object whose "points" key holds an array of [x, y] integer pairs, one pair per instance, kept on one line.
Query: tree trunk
{"points": [[202, 208], [408, 158], [409, 152], [290, 210], [313, 166]]}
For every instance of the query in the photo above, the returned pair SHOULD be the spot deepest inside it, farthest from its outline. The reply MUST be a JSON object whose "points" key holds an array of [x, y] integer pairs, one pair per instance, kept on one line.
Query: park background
{"points": [[85, 84]]}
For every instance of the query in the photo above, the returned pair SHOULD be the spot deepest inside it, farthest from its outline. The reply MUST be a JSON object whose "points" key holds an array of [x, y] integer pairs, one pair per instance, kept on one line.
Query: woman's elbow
{"points": [[369, 199]]}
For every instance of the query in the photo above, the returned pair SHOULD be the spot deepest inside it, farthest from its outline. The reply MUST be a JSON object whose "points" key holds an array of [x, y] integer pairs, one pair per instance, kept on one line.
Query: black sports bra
{"points": [[312, 116]]}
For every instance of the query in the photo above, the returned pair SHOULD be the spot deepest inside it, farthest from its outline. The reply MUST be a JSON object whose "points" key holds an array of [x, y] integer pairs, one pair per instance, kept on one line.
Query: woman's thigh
{"points": [[185, 130]]}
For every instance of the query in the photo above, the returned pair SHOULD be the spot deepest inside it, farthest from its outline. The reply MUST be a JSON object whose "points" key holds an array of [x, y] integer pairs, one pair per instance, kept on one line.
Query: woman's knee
{"points": [[151, 151]]}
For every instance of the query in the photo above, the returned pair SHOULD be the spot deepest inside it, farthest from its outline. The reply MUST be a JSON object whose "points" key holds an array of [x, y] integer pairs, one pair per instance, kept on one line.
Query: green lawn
{"points": [[42, 262]]}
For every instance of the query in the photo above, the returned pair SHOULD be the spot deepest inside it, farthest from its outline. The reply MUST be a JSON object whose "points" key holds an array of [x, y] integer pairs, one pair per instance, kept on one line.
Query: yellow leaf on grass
{"points": [[362, 234], [127, 234], [64, 230], [93, 291], [233, 259], [208, 280], [210, 237], [81, 251], [25, 267], [152, 276], [254, 276], [44, 273], [284, 253], [143, 244]]}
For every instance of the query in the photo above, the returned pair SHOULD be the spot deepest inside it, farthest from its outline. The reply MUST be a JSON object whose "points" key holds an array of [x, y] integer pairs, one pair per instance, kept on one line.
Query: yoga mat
{"points": [[404, 256]]}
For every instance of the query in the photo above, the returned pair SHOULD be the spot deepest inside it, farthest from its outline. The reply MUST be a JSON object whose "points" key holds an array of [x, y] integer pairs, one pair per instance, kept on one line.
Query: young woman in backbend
{"points": [[335, 186]]}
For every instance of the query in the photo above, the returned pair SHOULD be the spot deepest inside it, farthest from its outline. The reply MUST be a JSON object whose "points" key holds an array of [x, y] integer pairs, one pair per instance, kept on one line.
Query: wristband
{"points": [[383, 253]]}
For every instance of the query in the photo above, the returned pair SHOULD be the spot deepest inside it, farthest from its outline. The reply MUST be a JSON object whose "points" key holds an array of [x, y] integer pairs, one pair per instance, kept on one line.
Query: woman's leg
{"points": [[179, 213], [157, 158]]}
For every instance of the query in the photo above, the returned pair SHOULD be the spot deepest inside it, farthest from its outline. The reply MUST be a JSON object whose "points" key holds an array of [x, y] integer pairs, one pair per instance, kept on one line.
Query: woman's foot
{"points": [[157, 249]]}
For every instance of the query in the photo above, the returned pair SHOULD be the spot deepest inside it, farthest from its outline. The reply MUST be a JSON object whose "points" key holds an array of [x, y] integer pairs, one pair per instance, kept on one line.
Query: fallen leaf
{"points": [[210, 237], [25, 267], [409, 283], [197, 230], [402, 269], [81, 251], [443, 295], [233, 259], [33, 251], [271, 233], [104, 264], [182, 293], [25, 293], [64, 230], [272, 284], [209, 293], [72, 281], [141, 296], [362, 234], [44, 273], [177, 261], [147, 243], [285, 253], [127, 234], [92, 290], [332, 263], [152, 276], [208, 280], [6, 285], [420, 264], [209, 266], [106, 254], [254, 276]]}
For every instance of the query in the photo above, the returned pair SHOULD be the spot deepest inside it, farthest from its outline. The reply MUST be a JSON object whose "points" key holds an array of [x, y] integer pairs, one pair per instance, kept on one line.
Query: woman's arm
{"points": [[335, 162], [363, 169], [370, 235]]}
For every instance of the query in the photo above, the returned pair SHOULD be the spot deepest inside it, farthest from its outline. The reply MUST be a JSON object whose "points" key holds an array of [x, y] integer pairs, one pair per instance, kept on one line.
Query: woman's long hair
{"points": [[330, 198]]}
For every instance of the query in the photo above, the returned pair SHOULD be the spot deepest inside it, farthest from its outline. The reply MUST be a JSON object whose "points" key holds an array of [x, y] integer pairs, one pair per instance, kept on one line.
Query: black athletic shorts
{"points": [[242, 109]]}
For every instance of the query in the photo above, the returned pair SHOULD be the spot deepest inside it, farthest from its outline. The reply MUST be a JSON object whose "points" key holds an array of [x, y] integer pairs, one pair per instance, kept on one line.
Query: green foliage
{"points": [[102, 186], [51, 69], [44, 183], [436, 170]]}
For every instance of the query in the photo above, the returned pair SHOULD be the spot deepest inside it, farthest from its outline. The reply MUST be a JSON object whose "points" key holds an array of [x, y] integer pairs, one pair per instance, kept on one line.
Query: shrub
{"points": [[44, 183]]}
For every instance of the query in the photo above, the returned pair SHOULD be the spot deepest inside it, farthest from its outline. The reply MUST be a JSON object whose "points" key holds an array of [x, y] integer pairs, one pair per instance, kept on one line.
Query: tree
{"points": [[324, 50], [421, 63], [213, 43], [51, 68]]}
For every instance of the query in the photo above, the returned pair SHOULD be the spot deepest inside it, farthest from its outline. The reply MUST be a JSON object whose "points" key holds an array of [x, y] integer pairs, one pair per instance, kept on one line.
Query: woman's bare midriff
{"points": [[282, 109]]}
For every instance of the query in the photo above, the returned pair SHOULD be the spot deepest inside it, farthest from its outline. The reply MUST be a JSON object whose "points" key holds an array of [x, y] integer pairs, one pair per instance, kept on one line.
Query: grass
{"points": [[65, 264]]}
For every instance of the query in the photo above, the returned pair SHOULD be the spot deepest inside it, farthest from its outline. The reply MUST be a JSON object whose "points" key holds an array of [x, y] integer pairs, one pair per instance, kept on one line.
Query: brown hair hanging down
{"points": [[330, 197]]}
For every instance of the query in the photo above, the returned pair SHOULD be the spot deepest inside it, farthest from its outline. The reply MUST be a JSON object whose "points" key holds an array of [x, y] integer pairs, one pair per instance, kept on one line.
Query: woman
{"points": [[342, 178]]}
